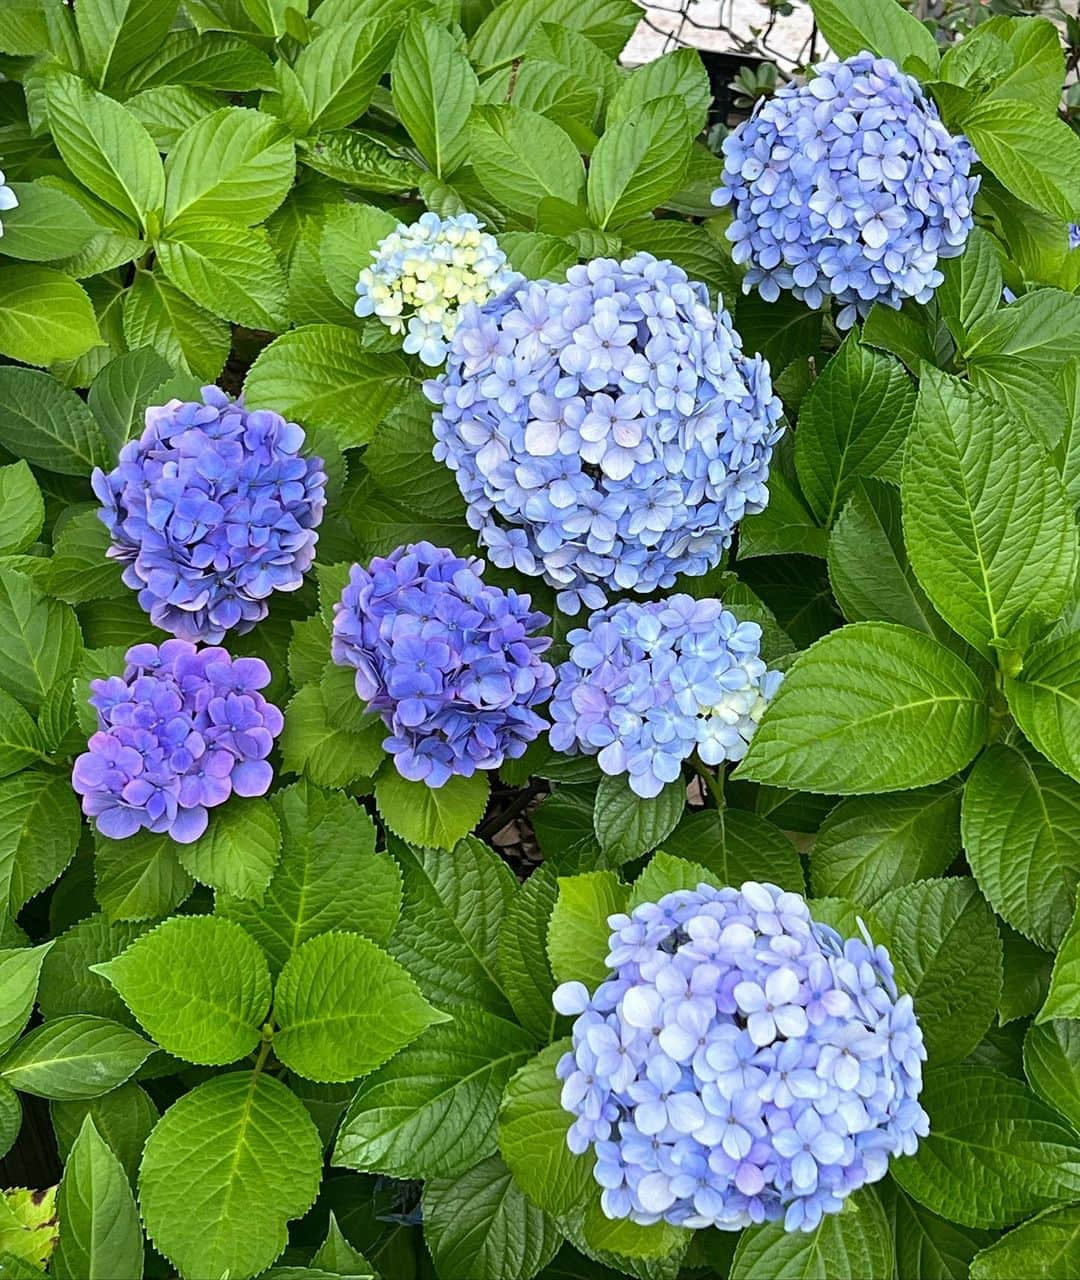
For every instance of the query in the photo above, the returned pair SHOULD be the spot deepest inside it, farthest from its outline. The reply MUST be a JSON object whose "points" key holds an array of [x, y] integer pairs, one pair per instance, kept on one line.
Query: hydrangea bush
{"points": [[538, 712]]}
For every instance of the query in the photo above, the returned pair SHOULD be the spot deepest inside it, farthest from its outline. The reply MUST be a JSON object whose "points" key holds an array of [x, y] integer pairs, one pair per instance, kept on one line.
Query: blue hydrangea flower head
{"points": [[648, 684], [8, 200], [450, 662], [848, 186], [1074, 234], [178, 733], [607, 433], [423, 274], [741, 1064], [211, 510]]}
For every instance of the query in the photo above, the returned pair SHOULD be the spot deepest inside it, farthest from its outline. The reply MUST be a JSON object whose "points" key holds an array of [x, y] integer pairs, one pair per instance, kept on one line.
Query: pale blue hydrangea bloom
{"points": [[607, 433], [425, 273], [848, 186], [8, 200], [742, 1064], [1074, 234], [648, 684]]}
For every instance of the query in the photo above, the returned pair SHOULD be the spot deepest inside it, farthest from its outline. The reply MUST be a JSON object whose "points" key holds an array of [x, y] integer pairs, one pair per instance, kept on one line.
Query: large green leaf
{"points": [[995, 1153], [869, 845], [158, 315], [45, 225], [46, 317], [198, 984], [1042, 328], [855, 1244], [989, 530], [239, 850], [431, 1111], [39, 832], [577, 940], [929, 1247], [22, 508], [524, 970], [100, 1233], [123, 1117], [343, 1006], [339, 70], [944, 943], [640, 161], [479, 1226], [78, 1056], [68, 984], [122, 392], [328, 877], [972, 285], [1021, 825], [1063, 998], [736, 845], [871, 707], [1031, 152], [434, 89], [117, 35], [202, 59], [314, 746], [852, 423], [628, 825], [1052, 1065], [435, 817], [878, 26], [522, 158], [230, 270], [508, 28], [245, 1150], [21, 741], [1046, 1247], [20, 968], [1045, 699], [139, 878]]}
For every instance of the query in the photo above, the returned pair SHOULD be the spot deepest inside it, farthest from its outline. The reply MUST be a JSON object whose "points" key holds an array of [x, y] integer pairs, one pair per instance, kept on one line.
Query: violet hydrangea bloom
{"points": [[648, 684], [607, 433], [847, 186], [8, 199], [451, 662], [211, 510], [741, 1064], [178, 733]]}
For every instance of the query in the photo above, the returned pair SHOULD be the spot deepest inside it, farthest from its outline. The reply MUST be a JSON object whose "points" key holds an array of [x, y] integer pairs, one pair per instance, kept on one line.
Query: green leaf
{"points": [[524, 970], [989, 530], [236, 164], [28, 1230], [972, 285], [239, 850], [117, 35], [328, 756], [343, 1006], [46, 316], [1026, 976], [1045, 699], [329, 876], [532, 1137], [189, 338], [737, 846], [1042, 328], [680, 73], [434, 90], [784, 527], [1038, 60], [198, 984], [358, 160], [45, 225], [449, 929], [350, 235], [577, 941], [881, 27], [855, 1244], [995, 1152], [479, 1226], [639, 162], [39, 831], [1032, 153], [100, 1233], [852, 423], [321, 376], [339, 71], [869, 845], [507, 29], [122, 392], [11, 1115], [1031, 393], [68, 985], [521, 158], [1021, 825], [79, 569], [170, 110], [944, 943], [1063, 998], [400, 462], [22, 509], [338, 1256], [666, 874], [21, 742], [1052, 1065], [871, 707], [40, 639], [139, 878], [431, 1111], [74, 1057], [927, 1246], [1046, 1247], [230, 270], [242, 1147], [202, 59], [20, 968], [628, 825], [123, 1117], [435, 817]]}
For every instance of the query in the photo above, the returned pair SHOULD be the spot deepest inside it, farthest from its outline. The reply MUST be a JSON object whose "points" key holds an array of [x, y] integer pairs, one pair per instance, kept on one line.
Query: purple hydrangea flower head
{"points": [[648, 684], [607, 433], [423, 274], [211, 510], [450, 662], [1074, 234], [848, 186], [178, 733], [742, 1063], [8, 199]]}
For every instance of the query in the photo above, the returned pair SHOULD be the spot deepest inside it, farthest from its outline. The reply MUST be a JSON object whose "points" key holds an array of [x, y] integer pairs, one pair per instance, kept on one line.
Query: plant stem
{"points": [[714, 782]]}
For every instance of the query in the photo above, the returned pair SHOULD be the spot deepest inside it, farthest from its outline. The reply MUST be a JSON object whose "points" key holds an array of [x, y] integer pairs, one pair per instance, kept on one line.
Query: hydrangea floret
{"points": [[1074, 234], [607, 433], [451, 662], [178, 733], [742, 1064], [648, 684], [211, 510], [848, 186], [8, 200], [424, 273]]}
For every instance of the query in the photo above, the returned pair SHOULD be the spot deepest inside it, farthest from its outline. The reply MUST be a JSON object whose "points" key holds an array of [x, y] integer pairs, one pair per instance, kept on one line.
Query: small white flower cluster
{"points": [[425, 273], [7, 199]]}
